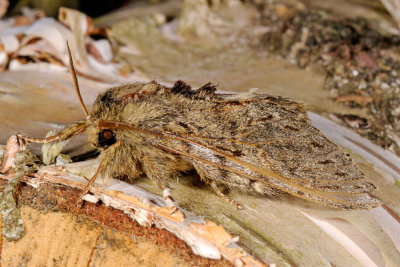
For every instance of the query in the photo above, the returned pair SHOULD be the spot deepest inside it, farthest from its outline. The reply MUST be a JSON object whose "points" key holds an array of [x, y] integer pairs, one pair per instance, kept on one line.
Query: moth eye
{"points": [[108, 134], [106, 138]]}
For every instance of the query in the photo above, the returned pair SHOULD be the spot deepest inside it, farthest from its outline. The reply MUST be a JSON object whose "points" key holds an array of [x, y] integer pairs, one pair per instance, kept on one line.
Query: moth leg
{"points": [[66, 133], [106, 159], [91, 181], [157, 169], [88, 185], [18, 142], [169, 202], [214, 186]]}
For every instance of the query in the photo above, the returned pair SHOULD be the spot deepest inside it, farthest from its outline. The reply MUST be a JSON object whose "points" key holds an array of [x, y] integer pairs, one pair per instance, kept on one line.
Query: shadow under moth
{"points": [[255, 143]]}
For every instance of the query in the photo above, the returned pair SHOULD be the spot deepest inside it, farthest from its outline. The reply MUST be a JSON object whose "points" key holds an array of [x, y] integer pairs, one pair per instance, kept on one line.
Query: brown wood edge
{"points": [[56, 197]]}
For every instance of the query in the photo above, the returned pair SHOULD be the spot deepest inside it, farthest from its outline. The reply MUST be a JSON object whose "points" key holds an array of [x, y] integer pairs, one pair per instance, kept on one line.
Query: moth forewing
{"points": [[237, 174]]}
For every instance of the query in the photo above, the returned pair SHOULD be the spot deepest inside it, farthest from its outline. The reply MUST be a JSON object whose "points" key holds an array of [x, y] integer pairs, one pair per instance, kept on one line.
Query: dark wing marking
{"points": [[205, 92], [128, 93]]}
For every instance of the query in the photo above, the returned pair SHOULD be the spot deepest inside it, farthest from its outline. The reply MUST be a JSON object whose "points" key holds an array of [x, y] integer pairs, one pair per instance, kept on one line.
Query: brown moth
{"points": [[256, 143]]}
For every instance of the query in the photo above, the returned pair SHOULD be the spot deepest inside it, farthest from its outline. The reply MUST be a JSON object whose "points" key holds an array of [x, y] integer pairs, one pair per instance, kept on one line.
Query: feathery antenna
{"points": [[71, 65]]}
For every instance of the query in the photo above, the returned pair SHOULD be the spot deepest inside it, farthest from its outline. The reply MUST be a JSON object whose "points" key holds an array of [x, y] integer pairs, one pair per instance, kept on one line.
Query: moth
{"points": [[256, 143]]}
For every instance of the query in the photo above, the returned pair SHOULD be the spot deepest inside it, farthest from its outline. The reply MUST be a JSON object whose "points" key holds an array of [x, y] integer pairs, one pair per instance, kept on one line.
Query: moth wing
{"points": [[234, 172], [267, 143], [260, 144]]}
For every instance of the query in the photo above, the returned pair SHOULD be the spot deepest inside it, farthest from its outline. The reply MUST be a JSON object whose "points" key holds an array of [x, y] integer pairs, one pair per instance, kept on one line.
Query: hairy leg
{"points": [[66, 133], [158, 169], [106, 158], [214, 186]]}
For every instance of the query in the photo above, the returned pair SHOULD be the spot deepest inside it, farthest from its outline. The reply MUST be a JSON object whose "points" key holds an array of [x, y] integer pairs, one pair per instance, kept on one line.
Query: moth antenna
{"points": [[74, 77]]}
